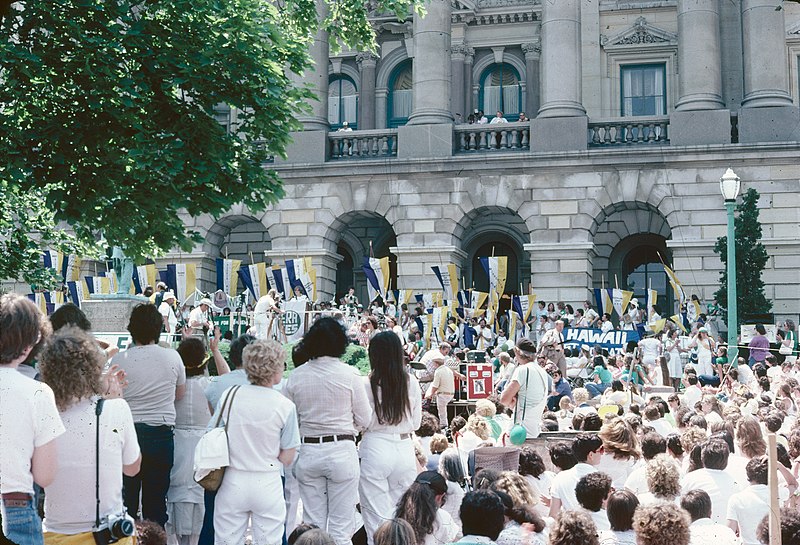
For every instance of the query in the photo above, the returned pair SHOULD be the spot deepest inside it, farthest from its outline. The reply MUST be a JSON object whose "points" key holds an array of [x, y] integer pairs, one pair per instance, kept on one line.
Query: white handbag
{"points": [[211, 455]]}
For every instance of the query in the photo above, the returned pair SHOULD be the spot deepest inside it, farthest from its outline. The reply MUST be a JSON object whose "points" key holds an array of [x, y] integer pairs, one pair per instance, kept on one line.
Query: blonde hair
{"points": [[750, 438], [438, 444], [663, 477], [71, 364], [517, 487], [263, 360], [692, 437], [477, 425], [485, 408], [580, 395], [661, 523], [619, 439]]}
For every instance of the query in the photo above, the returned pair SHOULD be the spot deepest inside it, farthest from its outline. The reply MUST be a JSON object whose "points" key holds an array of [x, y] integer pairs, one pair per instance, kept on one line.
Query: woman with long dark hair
{"points": [[332, 406], [386, 450], [421, 507]]}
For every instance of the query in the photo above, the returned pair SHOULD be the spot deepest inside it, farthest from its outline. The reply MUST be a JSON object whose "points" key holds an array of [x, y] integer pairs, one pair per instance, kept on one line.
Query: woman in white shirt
{"points": [[421, 507], [72, 364], [387, 449], [185, 507], [672, 346], [621, 453]]}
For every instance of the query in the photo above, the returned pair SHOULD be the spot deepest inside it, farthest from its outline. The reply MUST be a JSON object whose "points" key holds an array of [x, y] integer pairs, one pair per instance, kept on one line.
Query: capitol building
{"points": [[635, 109]]}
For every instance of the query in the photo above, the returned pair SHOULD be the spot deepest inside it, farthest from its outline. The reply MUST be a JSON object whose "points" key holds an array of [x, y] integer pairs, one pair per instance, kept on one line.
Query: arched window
{"points": [[401, 95], [500, 91], [342, 102], [643, 269]]}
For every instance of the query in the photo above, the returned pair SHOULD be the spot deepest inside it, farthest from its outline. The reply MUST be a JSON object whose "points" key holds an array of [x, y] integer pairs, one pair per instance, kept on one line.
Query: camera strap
{"points": [[98, 409]]}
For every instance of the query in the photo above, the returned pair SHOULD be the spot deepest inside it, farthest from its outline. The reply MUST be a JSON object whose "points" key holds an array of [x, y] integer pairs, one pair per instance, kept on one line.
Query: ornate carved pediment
{"points": [[640, 34], [794, 30], [483, 4]]}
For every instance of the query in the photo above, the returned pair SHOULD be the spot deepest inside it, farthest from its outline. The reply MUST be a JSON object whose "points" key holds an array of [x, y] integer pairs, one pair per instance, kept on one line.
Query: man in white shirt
{"points": [[703, 530], [592, 493], [653, 444], [528, 389], [167, 310], [588, 450], [480, 119], [692, 394], [657, 422], [442, 389], [552, 346], [498, 118], [199, 320], [713, 479], [29, 422]]}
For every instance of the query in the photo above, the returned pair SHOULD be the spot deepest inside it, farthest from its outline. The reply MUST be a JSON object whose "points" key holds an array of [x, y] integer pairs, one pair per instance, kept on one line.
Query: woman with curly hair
{"points": [[573, 527], [521, 511], [262, 436], [387, 448], [621, 451], [661, 524], [663, 480], [421, 507], [71, 363]]}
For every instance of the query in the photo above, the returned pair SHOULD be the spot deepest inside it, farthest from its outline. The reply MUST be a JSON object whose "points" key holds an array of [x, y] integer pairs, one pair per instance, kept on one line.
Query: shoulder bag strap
{"points": [[524, 399], [230, 404], [224, 405]]}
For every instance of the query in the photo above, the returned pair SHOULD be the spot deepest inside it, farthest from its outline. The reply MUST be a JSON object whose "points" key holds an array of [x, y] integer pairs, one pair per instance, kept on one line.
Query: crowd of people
{"points": [[654, 449]]}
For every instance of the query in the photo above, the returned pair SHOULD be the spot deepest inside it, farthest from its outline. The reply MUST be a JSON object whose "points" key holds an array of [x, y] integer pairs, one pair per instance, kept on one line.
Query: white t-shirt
{"points": [[198, 316], [600, 519], [444, 529], [534, 386], [169, 313], [28, 419], [564, 483], [153, 373], [617, 468], [262, 423], [748, 508], [692, 395], [720, 486], [637, 480], [70, 500], [708, 532], [610, 537], [651, 348]]}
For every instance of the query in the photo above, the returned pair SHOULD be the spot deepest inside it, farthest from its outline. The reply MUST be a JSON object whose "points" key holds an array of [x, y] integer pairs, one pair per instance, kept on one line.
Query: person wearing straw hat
{"points": [[199, 320], [167, 310]]}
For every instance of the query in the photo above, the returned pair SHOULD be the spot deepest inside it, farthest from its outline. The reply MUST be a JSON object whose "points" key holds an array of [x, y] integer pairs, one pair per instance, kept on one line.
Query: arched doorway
{"points": [[639, 260]]}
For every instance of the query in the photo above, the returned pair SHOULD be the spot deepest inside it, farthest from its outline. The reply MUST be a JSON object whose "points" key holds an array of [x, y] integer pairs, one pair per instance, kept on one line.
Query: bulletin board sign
{"points": [[479, 381]]}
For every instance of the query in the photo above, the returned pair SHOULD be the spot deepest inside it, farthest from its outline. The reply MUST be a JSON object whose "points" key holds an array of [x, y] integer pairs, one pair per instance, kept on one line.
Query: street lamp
{"points": [[729, 185]]}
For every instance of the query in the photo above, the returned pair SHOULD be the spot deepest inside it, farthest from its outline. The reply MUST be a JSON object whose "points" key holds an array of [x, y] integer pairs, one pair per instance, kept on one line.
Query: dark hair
{"points": [[429, 425], [299, 530], [482, 514], [756, 469], [150, 533], [22, 326], [699, 421], [674, 444], [591, 422], [584, 444], [192, 353], [485, 478], [326, 337], [145, 324], [599, 361], [530, 463], [652, 444], [69, 314], [773, 422], [389, 376], [456, 424], [651, 413], [715, 454], [237, 346], [617, 386], [395, 532], [562, 456], [698, 504], [417, 505], [691, 378], [620, 508], [592, 489], [790, 527], [761, 329]]}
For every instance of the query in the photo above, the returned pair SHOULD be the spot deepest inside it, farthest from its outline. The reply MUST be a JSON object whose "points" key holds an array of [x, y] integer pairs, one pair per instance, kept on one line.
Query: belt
{"points": [[16, 499], [401, 436], [327, 439]]}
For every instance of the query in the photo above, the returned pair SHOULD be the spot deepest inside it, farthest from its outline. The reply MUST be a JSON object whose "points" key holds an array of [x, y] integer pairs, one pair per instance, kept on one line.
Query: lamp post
{"points": [[729, 185]]}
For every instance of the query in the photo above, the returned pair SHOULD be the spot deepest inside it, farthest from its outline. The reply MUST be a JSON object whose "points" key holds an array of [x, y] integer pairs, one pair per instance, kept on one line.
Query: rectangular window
{"points": [[643, 89]]}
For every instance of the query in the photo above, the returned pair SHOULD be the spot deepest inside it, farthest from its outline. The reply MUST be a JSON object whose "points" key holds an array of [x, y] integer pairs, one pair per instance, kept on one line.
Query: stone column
{"points": [[469, 58], [432, 68], [561, 124], [366, 92], [532, 52], [459, 99], [429, 132], [700, 117], [561, 59], [699, 56], [767, 113]]}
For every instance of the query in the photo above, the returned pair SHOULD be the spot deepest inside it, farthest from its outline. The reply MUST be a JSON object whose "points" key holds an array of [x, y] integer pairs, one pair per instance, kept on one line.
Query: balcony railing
{"points": [[372, 144], [493, 137], [625, 131]]}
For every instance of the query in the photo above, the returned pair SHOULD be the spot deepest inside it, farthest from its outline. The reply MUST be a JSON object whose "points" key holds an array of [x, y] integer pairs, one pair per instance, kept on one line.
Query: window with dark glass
{"points": [[401, 95], [342, 102], [644, 89], [500, 90]]}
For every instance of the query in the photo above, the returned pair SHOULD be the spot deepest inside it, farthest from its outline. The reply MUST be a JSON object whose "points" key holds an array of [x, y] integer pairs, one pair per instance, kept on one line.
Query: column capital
{"points": [[461, 52], [532, 49], [366, 59]]}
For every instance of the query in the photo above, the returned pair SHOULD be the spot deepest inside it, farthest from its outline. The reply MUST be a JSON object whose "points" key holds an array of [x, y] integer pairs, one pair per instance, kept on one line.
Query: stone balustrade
{"points": [[622, 131], [379, 143], [489, 137]]}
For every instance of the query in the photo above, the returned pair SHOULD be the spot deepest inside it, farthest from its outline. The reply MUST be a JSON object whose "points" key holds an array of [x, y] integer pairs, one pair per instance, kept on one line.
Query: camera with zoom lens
{"points": [[113, 528]]}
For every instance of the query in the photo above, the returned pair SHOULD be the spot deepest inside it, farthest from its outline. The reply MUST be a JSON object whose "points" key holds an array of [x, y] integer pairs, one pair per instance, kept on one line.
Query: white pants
{"points": [[255, 496], [292, 492], [388, 467], [328, 477], [441, 407]]}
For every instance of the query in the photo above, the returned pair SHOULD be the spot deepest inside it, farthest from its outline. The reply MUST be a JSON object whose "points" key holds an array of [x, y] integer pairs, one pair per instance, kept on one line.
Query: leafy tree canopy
{"points": [[751, 257], [107, 114]]}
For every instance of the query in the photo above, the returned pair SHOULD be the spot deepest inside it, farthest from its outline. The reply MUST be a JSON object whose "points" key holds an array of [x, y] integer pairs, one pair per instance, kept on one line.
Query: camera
{"points": [[112, 528]]}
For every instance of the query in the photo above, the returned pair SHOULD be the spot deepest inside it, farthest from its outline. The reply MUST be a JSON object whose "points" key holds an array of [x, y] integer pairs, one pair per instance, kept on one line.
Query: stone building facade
{"points": [[637, 107]]}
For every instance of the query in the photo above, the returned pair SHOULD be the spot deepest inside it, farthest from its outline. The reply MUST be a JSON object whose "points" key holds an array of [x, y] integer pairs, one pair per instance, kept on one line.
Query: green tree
{"points": [[107, 110], [751, 257]]}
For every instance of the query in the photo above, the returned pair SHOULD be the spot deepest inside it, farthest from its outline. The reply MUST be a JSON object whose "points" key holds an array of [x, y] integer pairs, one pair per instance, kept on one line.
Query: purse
{"points": [[785, 350], [211, 456]]}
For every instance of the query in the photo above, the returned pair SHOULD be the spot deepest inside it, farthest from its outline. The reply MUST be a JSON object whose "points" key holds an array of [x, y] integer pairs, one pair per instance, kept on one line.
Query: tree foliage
{"points": [[751, 257], [107, 111]]}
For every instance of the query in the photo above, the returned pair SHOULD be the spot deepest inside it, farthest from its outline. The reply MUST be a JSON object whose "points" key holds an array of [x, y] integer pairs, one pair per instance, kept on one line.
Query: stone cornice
{"points": [[640, 34]]}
